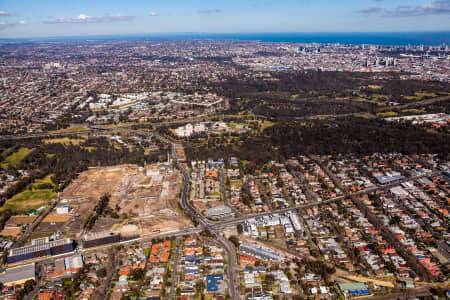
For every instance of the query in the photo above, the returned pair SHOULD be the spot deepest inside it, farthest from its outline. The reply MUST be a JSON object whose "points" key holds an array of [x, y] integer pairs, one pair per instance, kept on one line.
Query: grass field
{"points": [[413, 111], [265, 124], [387, 114], [367, 115], [64, 140], [420, 96], [89, 148], [29, 199], [15, 158], [379, 97], [46, 179], [70, 129], [360, 99]]}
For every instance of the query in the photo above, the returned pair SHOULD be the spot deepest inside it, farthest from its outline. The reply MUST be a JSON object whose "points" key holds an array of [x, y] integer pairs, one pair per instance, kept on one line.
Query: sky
{"points": [[52, 18]]}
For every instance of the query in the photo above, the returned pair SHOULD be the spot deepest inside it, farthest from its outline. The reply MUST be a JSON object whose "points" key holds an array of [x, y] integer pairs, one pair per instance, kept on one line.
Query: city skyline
{"points": [[50, 18]]}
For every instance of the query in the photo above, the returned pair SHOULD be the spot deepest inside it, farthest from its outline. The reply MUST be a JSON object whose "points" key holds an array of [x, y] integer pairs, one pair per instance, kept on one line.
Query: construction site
{"points": [[143, 199]]}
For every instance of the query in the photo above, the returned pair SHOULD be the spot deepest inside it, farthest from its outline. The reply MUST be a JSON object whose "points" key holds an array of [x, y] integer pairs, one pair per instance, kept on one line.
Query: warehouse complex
{"points": [[41, 247]]}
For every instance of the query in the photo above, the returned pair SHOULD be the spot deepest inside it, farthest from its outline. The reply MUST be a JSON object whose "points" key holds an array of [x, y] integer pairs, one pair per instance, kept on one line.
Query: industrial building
{"points": [[219, 212], [63, 209], [40, 247], [65, 267], [289, 221], [295, 222], [259, 252], [387, 177], [99, 238], [18, 275], [259, 296]]}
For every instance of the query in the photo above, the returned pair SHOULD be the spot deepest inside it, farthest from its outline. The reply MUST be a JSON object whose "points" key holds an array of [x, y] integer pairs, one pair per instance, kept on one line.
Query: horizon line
{"points": [[225, 33]]}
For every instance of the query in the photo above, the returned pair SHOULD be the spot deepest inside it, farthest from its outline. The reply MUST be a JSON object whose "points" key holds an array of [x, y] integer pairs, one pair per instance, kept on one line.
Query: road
{"points": [[223, 190], [421, 102], [240, 220], [204, 223], [214, 228], [87, 128], [34, 225], [37, 287], [385, 230], [193, 120], [104, 289], [174, 269], [142, 239], [406, 294]]}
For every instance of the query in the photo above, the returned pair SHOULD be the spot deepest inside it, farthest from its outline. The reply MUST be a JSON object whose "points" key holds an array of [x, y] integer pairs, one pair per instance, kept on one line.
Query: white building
{"points": [[62, 210]]}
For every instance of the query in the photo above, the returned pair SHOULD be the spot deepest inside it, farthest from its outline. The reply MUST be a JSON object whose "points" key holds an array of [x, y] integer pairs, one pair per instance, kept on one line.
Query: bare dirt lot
{"points": [[56, 219], [150, 198], [20, 220], [94, 183], [11, 231], [144, 196]]}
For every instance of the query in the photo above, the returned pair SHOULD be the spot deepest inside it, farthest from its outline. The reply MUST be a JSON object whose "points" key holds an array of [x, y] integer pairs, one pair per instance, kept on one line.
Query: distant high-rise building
{"points": [[377, 61]]}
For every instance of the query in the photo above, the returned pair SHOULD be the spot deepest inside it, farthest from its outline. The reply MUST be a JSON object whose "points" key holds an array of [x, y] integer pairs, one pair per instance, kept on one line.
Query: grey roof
{"points": [[384, 179], [218, 211], [39, 247], [260, 252], [18, 273]]}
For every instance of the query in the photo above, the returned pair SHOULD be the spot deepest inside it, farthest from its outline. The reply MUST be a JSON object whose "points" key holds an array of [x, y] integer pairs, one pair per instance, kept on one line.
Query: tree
{"points": [[20, 294], [29, 285], [235, 240], [101, 273], [137, 274], [240, 228], [270, 279]]}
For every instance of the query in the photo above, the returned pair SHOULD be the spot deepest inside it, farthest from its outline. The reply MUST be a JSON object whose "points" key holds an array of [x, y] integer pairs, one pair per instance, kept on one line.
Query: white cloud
{"points": [[6, 14], [4, 25], [154, 14], [371, 10], [210, 11], [83, 19], [437, 7]]}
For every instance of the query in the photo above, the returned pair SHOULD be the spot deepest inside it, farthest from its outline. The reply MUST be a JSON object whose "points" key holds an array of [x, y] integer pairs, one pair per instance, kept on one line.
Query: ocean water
{"points": [[378, 38], [392, 38]]}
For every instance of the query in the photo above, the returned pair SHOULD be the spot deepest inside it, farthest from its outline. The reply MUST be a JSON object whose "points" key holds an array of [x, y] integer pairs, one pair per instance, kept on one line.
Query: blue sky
{"points": [[47, 18]]}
